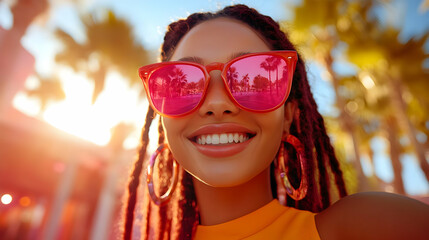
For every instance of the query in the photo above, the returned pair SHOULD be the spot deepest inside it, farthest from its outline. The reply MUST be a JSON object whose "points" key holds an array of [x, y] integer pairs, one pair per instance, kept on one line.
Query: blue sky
{"points": [[150, 19]]}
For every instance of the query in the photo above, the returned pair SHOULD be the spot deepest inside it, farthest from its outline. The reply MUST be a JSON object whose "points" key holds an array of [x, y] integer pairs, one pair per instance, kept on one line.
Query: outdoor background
{"points": [[72, 105]]}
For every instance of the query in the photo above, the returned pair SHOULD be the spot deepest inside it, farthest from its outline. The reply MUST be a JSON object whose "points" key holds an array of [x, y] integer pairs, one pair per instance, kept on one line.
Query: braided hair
{"points": [[178, 218]]}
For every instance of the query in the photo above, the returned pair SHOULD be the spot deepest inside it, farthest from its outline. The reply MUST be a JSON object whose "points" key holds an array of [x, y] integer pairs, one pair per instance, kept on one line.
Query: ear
{"points": [[290, 109]]}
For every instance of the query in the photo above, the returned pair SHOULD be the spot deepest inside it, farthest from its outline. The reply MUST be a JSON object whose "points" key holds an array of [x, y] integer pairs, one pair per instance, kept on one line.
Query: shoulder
{"points": [[374, 215]]}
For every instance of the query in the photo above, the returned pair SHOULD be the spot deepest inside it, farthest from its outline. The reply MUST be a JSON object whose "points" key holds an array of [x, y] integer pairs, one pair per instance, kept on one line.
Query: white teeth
{"points": [[230, 137], [215, 139], [223, 138], [236, 137]]}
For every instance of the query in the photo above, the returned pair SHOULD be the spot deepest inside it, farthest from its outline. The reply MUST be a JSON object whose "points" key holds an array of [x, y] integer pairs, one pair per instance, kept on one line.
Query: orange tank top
{"points": [[272, 221]]}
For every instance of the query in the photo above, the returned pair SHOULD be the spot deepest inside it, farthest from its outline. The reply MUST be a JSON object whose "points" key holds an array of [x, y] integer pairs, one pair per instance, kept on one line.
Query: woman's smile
{"points": [[221, 140]]}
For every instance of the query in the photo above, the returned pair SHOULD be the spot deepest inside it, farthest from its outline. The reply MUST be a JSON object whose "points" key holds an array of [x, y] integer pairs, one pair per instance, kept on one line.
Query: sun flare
{"points": [[76, 115]]}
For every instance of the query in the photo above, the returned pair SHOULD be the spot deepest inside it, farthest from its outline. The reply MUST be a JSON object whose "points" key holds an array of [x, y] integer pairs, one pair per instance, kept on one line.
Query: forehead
{"points": [[217, 39]]}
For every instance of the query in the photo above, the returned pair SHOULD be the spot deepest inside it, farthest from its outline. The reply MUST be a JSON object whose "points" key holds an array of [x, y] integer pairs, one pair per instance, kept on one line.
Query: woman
{"points": [[241, 137]]}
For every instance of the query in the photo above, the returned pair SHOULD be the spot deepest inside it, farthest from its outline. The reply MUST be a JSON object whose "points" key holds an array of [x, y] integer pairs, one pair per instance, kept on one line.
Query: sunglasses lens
{"points": [[258, 82], [176, 89]]}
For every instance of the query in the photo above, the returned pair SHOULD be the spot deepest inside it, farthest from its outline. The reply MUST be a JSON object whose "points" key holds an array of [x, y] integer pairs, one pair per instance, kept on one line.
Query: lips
{"points": [[221, 140]]}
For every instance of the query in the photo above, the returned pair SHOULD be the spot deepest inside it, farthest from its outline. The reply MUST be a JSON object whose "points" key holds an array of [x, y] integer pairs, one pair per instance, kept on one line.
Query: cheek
{"points": [[272, 124], [173, 129], [167, 124]]}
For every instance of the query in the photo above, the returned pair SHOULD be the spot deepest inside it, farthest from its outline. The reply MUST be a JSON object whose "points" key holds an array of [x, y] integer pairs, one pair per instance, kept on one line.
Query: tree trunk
{"points": [[378, 184], [394, 149], [99, 78], [16, 63], [398, 102], [347, 124]]}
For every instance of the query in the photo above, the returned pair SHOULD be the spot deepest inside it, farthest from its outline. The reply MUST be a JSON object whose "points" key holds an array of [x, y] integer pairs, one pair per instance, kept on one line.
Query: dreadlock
{"points": [[178, 218]]}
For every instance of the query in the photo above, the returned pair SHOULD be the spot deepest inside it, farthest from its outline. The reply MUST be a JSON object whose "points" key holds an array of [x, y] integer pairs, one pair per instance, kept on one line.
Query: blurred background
{"points": [[72, 105]]}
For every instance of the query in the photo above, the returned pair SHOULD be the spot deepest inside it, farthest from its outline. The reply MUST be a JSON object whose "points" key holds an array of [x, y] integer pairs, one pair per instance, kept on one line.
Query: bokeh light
{"points": [[6, 199], [25, 201]]}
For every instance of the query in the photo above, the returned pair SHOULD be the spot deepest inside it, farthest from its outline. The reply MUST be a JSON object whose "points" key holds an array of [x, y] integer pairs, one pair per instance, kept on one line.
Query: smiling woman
{"points": [[243, 150]]}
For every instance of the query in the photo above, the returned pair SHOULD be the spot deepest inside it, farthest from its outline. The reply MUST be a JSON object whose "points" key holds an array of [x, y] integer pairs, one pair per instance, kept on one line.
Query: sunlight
{"points": [[79, 122], [76, 114], [366, 80], [25, 104]]}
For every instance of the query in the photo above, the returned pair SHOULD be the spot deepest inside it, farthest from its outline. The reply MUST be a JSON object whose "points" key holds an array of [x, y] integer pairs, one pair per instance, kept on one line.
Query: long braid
{"points": [[188, 205], [163, 170], [326, 152], [335, 166], [320, 150], [134, 179], [306, 108], [309, 134], [316, 134]]}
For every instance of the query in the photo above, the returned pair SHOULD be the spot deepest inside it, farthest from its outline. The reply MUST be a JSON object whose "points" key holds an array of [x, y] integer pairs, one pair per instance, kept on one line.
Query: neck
{"points": [[219, 205]]}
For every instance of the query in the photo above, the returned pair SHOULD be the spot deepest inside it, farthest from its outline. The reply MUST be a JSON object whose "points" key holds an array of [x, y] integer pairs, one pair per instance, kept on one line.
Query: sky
{"points": [[149, 20]]}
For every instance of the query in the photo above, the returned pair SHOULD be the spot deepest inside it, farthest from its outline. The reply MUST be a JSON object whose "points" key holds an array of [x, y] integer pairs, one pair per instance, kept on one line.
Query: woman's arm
{"points": [[375, 215]]}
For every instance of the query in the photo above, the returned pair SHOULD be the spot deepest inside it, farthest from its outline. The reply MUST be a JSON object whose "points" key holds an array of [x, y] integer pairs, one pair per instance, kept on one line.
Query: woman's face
{"points": [[223, 164]]}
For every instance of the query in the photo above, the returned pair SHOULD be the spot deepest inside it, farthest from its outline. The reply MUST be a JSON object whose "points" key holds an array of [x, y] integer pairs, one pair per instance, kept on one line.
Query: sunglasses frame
{"points": [[290, 56]]}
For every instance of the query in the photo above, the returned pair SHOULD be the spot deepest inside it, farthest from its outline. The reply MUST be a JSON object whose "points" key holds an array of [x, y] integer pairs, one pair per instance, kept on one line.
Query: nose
{"points": [[217, 102]]}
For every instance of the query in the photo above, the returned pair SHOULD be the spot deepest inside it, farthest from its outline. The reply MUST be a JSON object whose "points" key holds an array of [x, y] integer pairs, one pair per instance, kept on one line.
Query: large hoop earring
{"points": [[149, 178], [296, 194]]}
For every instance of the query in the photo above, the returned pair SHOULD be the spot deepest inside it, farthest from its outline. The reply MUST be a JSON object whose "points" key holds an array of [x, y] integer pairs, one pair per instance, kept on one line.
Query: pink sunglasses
{"points": [[257, 82]]}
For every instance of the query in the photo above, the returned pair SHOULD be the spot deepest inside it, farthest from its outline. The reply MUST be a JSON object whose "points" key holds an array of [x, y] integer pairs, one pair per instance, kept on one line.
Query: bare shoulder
{"points": [[374, 215]]}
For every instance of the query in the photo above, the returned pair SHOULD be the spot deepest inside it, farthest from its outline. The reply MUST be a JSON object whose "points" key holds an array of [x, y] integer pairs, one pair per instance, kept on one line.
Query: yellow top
{"points": [[272, 221]]}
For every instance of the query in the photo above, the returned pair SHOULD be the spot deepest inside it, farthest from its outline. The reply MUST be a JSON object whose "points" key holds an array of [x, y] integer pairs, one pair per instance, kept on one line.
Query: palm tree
{"points": [[110, 45], [11, 51], [49, 89], [269, 65], [231, 76], [178, 80], [398, 67], [369, 110], [396, 70], [275, 63], [244, 83]]}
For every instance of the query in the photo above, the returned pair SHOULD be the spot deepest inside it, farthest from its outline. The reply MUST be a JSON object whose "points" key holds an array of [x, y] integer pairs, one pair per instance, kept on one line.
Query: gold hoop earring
{"points": [[149, 178], [296, 194]]}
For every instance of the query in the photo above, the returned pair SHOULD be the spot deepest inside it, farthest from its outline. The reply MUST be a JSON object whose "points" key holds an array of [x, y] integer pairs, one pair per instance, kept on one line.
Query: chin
{"points": [[228, 180]]}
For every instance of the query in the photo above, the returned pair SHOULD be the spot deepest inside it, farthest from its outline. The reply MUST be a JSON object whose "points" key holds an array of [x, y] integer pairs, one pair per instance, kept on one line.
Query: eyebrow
{"points": [[192, 59], [200, 60], [236, 55]]}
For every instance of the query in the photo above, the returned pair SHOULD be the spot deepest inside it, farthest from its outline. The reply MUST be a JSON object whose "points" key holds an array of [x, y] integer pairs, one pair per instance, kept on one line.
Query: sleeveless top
{"points": [[272, 221]]}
